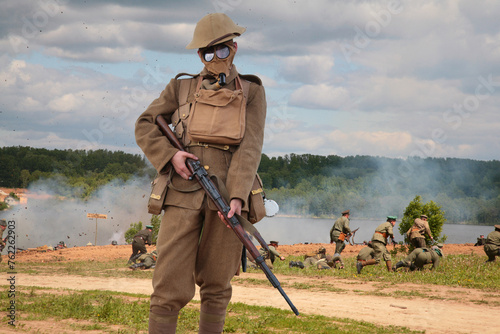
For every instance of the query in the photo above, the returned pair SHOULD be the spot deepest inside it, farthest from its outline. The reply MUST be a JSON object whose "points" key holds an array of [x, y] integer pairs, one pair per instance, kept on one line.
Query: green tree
{"points": [[134, 228], [25, 178], [432, 210]]}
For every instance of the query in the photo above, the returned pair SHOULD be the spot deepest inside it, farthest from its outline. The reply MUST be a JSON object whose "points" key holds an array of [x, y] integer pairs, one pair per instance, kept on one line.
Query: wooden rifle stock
{"points": [[207, 184]]}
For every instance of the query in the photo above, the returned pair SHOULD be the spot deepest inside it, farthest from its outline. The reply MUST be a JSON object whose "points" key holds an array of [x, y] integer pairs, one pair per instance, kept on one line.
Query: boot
{"points": [[163, 324], [292, 264], [136, 266], [133, 258], [211, 323], [361, 264], [300, 265], [388, 264], [413, 267], [399, 265]]}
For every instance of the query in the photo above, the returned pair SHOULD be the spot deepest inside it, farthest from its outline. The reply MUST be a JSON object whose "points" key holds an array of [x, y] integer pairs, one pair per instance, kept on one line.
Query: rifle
{"points": [[348, 237], [235, 222]]}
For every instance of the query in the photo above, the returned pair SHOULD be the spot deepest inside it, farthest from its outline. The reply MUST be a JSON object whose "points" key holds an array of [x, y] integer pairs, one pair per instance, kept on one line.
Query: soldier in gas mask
{"points": [[219, 116]]}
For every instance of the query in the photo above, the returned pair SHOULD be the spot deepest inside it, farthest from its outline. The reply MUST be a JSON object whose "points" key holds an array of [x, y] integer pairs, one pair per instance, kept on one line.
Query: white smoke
{"points": [[49, 219]]}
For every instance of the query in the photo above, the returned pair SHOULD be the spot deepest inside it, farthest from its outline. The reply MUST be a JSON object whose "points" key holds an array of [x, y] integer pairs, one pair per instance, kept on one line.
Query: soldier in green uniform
{"points": [[492, 245], [422, 256], [3, 226], [270, 256], [366, 253], [194, 246], [145, 261], [417, 232], [320, 260], [141, 239], [339, 231], [379, 242]]}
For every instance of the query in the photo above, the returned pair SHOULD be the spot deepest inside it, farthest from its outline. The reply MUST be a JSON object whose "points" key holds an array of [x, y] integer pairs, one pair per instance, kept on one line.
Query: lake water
{"points": [[289, 231]]}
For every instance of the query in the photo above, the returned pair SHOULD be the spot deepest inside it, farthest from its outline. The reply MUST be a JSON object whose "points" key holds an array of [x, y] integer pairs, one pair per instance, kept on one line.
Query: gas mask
{"points": [[218, 60]]}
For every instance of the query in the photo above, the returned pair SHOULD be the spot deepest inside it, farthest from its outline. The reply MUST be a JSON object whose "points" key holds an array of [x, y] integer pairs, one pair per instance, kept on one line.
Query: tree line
{"points": [[374, 187], [307, 185], [80, 169]]}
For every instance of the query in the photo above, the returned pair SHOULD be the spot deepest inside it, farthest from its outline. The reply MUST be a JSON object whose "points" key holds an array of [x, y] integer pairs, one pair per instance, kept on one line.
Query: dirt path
{"points": [[449, 310]]}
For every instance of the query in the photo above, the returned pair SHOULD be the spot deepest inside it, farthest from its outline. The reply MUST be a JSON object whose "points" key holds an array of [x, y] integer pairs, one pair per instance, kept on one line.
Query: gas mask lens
{"points": [[222, 52]]}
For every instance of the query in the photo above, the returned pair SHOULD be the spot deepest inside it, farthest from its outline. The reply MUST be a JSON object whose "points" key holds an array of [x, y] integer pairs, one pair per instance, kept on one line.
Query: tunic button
{"points": [[207, 167]]}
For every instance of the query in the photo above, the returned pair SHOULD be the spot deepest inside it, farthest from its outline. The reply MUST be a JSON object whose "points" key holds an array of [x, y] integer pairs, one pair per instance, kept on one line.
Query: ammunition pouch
{"points": [[342, 236], [159, 188], [256, 207]]}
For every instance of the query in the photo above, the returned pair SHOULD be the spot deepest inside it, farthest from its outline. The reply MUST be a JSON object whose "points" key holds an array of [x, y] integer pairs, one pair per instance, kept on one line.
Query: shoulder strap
{"points": [[245, 86], [184, 85], [251, 78], [184, 91]]}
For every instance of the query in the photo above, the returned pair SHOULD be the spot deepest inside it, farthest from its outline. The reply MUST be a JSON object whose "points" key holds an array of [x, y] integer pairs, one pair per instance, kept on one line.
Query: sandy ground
{"points": [[446, 310]]}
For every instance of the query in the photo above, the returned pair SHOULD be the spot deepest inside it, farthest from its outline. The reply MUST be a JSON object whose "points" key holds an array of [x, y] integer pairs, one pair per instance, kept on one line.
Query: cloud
{"points": [[70, 64], [311, 69], [320, 96]]}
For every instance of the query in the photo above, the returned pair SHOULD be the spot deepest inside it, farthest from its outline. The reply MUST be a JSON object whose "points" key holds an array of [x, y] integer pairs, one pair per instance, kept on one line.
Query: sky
{"points": [[383, 78]]}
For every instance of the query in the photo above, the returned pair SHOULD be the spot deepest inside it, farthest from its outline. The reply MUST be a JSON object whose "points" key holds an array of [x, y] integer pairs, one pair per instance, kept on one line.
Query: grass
{"points": [[111, 312], [466, 271], [114, 312]]}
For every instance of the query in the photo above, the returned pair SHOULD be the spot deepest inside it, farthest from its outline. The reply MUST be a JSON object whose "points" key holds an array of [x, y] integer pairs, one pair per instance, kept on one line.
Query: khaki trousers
{"points": [[194, 247]]}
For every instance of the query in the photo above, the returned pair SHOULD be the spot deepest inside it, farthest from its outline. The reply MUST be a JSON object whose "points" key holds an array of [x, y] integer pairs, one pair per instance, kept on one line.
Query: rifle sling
{"points": [[247, 226]]}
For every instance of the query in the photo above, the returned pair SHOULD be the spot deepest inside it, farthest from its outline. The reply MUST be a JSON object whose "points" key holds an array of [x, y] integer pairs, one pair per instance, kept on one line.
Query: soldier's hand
{"points": [[235, 206], [179, 163]]}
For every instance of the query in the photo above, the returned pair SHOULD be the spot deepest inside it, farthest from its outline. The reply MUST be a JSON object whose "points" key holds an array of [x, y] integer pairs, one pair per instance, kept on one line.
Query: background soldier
{"points": [[320, 260], [379, 242], [146, 261], [141, 239], [366, 253], [339, 231], [481, 241], [270, 256], [492, 246], [422, 256], [3, 226], [417, 232]]}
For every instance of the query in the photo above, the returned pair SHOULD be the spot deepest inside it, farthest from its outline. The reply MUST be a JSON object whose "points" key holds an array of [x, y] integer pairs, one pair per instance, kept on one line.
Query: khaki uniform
{"points": [[341, 225], [492, 246], [194, 246], [317, 260], [417, 233], [270, 256], [422, 256], [365, 254], [379, 241], [148, 260]]}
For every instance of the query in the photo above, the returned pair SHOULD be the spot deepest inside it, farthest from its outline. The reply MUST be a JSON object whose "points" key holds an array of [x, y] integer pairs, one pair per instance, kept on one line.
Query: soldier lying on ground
{"points": [[422, 256], [146, 261], [320, 260], [270, 256]]}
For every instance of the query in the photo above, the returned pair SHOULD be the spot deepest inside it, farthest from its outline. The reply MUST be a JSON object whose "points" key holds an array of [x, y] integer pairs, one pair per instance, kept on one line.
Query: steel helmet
{"points": [[214, 29]]}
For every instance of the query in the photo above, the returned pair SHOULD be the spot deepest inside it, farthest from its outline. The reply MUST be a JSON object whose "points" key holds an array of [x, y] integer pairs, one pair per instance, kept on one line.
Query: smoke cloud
{"points": [[47, 218]]}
